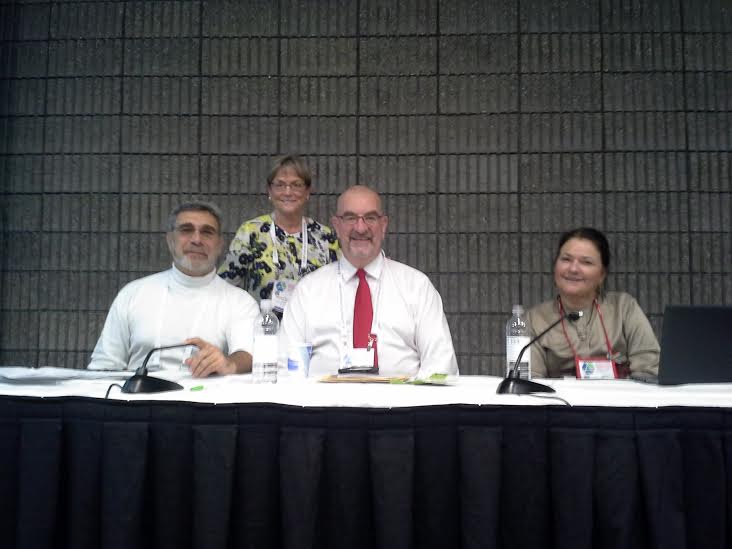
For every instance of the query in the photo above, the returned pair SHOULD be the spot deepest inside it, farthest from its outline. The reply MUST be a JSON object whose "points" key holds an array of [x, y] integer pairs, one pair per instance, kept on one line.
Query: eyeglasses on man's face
{"points": [[188, 230], [349, 219], [294, 186]]}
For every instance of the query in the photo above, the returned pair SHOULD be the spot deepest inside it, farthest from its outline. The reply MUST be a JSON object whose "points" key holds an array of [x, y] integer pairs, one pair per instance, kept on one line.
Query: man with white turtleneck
{"points": [[187, 303]]}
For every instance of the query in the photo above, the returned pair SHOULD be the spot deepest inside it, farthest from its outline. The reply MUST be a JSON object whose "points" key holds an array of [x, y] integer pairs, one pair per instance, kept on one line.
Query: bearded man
{"points": [[187, 303]]}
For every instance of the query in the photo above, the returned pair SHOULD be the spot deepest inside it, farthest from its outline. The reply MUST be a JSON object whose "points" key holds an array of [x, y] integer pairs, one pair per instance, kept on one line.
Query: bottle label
{"points": [[514, 344], [265, 349]]}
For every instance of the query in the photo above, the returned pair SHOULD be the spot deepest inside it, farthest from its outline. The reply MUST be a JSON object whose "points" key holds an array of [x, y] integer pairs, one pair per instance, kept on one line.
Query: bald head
{"points": [[360, 193], [360, 224]]}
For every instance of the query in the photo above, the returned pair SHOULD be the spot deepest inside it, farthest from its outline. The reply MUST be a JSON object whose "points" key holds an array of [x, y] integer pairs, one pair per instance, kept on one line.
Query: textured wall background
{"points": [[489, 126]]}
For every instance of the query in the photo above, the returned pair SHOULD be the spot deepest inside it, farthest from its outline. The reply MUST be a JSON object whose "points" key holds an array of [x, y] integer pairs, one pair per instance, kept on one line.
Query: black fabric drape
{"points": [[84, 473]]}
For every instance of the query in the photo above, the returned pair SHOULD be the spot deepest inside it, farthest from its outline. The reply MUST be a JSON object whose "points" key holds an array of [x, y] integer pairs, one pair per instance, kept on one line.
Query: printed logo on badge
{"points": [[281, 292], [595, 368]]}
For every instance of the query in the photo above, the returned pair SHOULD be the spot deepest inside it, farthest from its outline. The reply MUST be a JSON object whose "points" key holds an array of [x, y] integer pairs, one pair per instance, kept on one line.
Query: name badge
{"points": [[358, 360], [598, 367], [281, 292]]}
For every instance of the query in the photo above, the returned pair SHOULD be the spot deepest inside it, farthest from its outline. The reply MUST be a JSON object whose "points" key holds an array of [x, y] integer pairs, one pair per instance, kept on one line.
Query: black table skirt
{"points": [[84, 473]]}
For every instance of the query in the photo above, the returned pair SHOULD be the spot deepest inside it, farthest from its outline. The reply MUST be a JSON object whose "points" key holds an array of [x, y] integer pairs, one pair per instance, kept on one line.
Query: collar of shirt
{"points": [[373, 269], [193, 282]]}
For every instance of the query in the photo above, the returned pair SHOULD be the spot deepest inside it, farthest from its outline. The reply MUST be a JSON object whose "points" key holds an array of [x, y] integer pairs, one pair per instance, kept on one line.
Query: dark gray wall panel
{"points": [[24, 21], [469, 16], [23, 59], [239, 56], [167, 173], [397, 174], [478, 133], [560, 52], [396, 56], [640, 15], [651, 171], [239, 17], [709, 91], [21, 173], [86, 173], [711, 171], [322, 18], [87, 20], [313, 95], [642, 52], [473, 173], [478, 54], [707, 52], [313, 135], [93, 95], [93, 57], [162, 95], [397, 17], [147, 19], [478, 94], [21, 97], [556, 172], [318, 56], [402, 95], [560, 16], [489, 127], [241, 135]]}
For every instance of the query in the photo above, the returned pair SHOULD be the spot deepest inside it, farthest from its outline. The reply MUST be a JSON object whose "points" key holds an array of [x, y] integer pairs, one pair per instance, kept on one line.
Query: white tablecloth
{"points": [[480, 390]]}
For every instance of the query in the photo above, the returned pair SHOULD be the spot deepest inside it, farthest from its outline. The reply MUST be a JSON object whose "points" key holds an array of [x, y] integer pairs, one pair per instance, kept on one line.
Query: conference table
{"points": [[226, 463]]}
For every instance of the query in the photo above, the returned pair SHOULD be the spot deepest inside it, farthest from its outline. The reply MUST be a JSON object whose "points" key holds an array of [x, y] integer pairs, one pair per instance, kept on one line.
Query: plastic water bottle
{"points": [[264, 358], [517, 336]]}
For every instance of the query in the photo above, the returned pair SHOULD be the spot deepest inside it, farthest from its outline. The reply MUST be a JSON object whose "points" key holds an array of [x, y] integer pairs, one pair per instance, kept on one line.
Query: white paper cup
{"points": [[298, 359]]}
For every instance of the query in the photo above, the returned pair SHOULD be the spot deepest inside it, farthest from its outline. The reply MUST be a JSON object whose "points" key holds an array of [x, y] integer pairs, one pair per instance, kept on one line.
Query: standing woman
{"points": [[270, 253], [613, 333]]}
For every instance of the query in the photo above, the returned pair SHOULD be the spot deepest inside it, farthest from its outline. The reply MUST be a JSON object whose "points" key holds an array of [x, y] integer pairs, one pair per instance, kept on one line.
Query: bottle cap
{"points": [[265, 305], [517, 310]]}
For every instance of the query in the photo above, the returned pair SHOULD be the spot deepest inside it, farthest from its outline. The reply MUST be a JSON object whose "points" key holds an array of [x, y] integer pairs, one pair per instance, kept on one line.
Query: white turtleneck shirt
{"points": [[167, 308]]}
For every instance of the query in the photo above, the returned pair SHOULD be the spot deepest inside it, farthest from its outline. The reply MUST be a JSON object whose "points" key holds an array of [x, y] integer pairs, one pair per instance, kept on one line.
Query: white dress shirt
{"points": [[409, 322], [167, 308]]}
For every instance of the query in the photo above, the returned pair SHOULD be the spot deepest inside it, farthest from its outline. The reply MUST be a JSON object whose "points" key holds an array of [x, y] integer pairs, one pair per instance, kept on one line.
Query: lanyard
{"points": [[602, 322], [374, 320], [275, 241]]}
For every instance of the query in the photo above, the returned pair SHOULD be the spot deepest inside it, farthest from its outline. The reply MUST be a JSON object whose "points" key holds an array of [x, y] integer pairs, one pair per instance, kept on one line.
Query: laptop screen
{"points": [[696, 344]]}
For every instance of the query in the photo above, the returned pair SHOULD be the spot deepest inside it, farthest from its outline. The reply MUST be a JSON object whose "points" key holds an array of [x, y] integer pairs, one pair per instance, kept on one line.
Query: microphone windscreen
{"points": [[574, 315]]}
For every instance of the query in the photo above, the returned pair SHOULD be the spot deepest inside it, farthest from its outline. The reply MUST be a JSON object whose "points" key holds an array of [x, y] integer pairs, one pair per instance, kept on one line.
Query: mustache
{"points": [[367, 233]]}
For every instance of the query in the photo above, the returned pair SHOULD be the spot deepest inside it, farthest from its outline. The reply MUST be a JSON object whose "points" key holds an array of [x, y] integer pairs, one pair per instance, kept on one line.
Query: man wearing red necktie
{"points": [[366, 310]]}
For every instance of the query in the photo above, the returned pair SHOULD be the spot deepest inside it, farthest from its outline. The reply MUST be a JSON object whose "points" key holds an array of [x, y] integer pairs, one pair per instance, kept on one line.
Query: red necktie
{"points": [[363, 312]]}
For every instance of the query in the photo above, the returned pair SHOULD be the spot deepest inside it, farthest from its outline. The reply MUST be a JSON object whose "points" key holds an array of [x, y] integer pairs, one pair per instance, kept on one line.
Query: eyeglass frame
{"points": [[370, 219], [187, 230], [294, 186]]}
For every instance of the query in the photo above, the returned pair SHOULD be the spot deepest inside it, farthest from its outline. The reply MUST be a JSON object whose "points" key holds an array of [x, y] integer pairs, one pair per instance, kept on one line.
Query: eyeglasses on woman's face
{"points": [[294, 186]]}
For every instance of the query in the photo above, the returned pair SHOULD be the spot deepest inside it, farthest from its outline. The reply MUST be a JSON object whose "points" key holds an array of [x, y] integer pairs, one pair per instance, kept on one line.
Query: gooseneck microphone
{"points": [[515, 385], [143, 383]]}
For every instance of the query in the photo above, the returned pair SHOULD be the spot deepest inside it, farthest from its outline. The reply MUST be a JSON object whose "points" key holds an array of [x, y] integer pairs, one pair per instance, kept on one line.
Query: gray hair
{"points": [[194, 206]]}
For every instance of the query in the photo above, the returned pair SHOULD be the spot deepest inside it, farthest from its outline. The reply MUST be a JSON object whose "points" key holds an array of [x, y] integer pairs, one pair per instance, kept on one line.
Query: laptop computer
{"points": [[696, 345]]}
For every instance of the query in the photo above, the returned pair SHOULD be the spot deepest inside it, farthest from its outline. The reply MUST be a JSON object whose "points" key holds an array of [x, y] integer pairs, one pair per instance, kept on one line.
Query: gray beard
{"points": [[199, 268]]}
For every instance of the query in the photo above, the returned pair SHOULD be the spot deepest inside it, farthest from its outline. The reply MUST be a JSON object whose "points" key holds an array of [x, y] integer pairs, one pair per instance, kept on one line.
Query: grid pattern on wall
{"points": [[489, 127]]}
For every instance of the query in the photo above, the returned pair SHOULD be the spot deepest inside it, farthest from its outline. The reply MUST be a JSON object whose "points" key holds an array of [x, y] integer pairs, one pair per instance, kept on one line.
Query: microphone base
{"points": [[518, 386], [146, 384]]}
